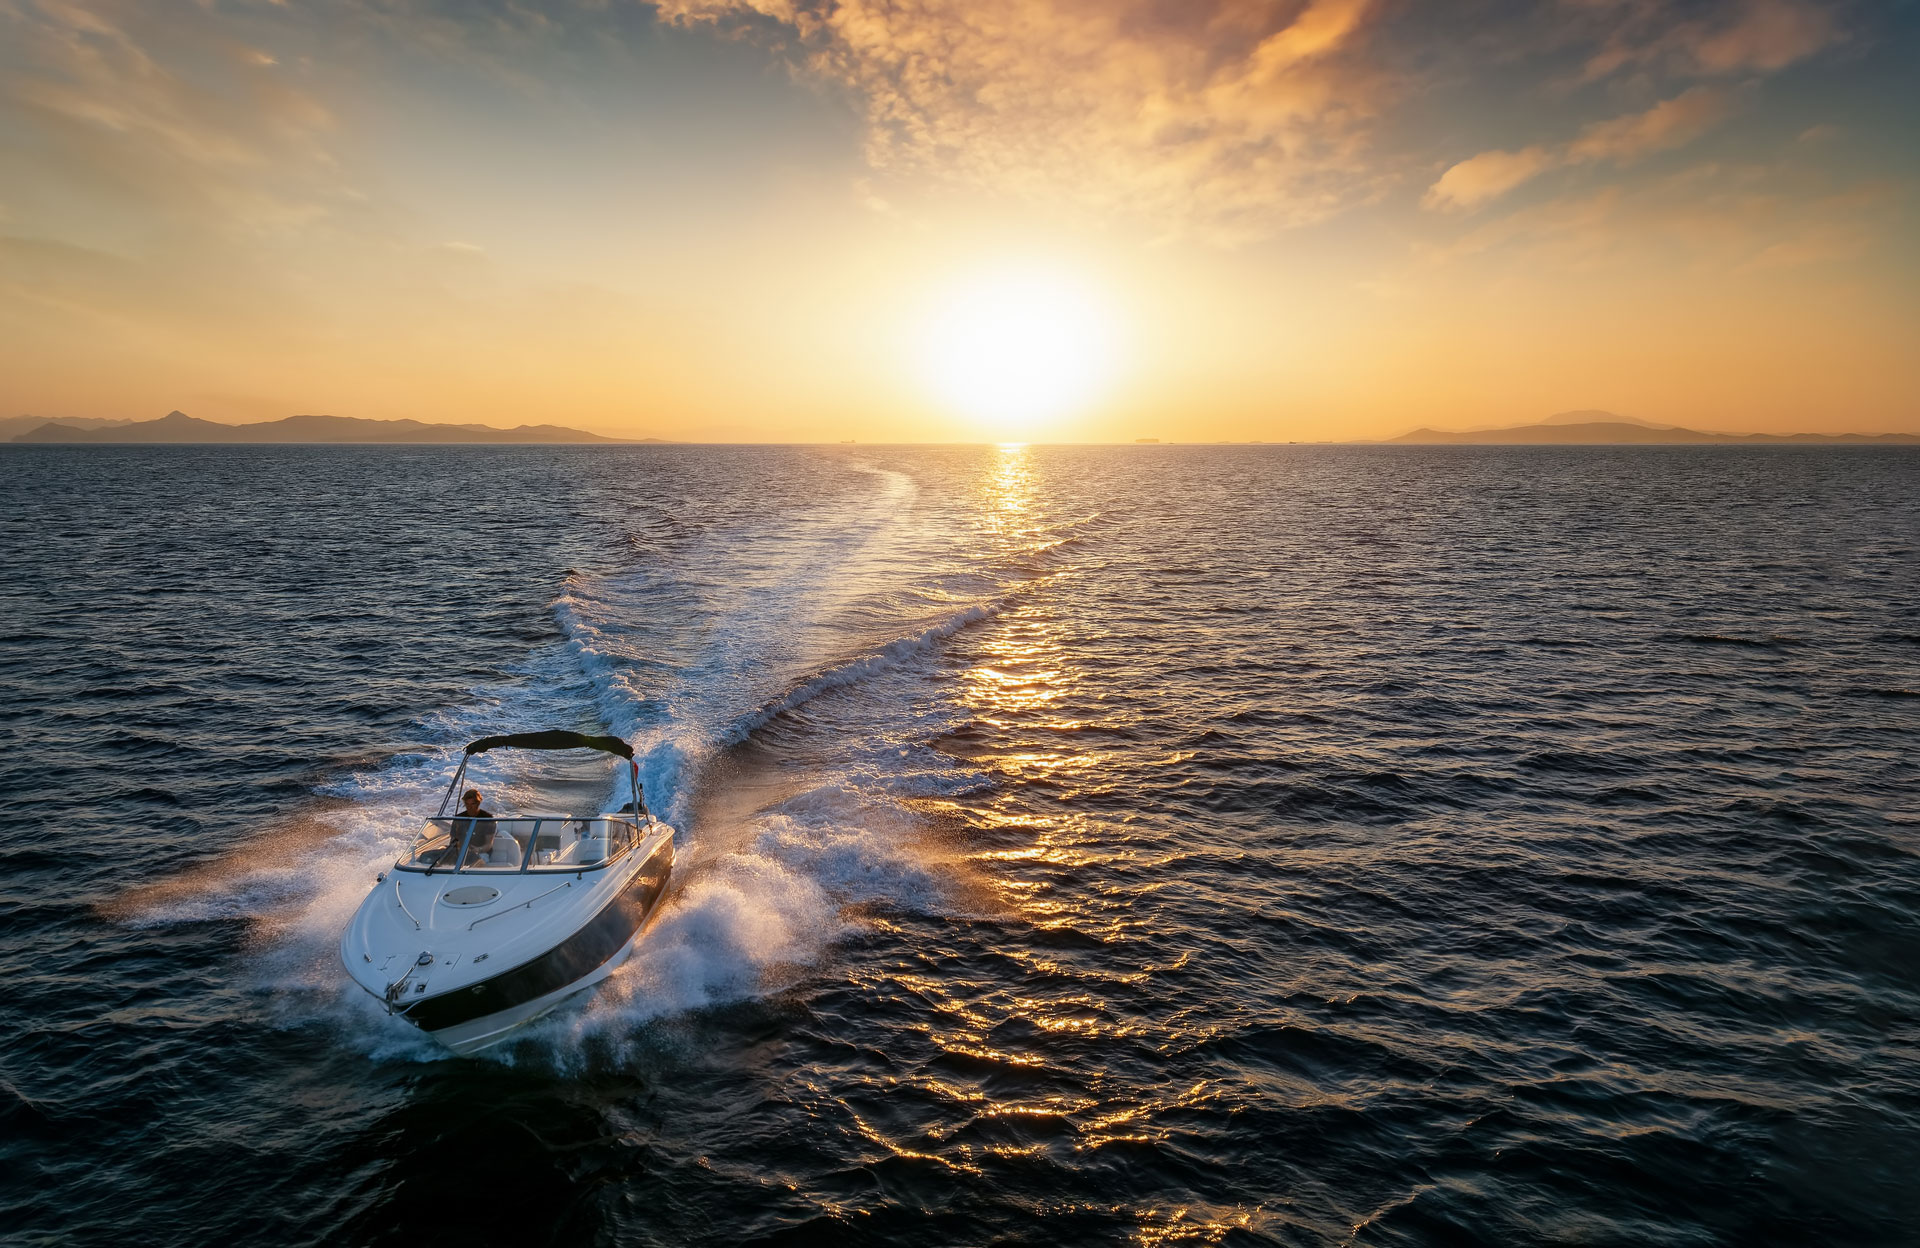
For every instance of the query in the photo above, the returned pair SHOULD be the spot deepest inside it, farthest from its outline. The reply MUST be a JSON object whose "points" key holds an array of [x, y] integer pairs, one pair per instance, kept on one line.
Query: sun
{"points": [[1017, 346]]}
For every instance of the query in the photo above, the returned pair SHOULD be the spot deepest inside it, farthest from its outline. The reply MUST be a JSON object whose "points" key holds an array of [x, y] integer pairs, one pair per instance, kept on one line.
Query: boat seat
{"points": [[583, 849], [505, 851]]}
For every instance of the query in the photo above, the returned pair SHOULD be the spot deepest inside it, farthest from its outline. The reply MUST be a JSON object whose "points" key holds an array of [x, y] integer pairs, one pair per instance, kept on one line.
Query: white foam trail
{"points": [[855, 670], [753, 921], [667, 656]]}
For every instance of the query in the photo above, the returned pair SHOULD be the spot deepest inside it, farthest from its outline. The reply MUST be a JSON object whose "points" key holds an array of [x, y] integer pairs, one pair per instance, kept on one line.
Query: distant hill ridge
{"points": [[12, 427], [178, 427], [1595, 417], [1607, 429]]}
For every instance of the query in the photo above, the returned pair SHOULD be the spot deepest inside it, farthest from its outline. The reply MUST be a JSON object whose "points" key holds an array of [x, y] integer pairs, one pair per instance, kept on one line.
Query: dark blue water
{"points": [[1281, 845]]}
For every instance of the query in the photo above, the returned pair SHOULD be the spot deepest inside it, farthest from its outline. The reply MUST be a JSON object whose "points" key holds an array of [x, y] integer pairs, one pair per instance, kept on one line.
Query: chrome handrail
{"points": [[402, 902], [518, 905]]}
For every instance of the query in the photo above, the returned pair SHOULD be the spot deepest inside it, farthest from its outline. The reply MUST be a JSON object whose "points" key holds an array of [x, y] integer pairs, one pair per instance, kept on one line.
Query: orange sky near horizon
{"points": [[752, 220]]}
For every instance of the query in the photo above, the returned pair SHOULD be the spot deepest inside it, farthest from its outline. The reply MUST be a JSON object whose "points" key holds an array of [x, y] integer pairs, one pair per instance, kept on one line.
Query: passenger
{"points": [[481, 821]]}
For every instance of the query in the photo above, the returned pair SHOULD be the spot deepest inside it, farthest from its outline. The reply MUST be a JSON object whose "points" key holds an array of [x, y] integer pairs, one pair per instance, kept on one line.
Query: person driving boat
{"points": [[480, 820]]}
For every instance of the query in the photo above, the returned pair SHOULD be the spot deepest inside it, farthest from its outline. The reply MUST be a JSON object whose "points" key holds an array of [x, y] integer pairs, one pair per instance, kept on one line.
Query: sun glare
{"points": [[1012, 348]]}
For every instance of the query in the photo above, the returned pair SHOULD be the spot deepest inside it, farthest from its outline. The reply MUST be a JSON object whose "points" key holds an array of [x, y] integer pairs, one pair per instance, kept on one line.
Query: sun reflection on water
{"points": [[1020, 1067]]}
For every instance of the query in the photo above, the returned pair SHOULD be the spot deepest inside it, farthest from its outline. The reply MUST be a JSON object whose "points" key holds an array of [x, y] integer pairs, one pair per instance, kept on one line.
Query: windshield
{"points": [[463, 845]]}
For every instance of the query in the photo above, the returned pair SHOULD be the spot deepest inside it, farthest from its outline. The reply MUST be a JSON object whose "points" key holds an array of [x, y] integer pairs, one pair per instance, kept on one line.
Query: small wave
{"points": [[1558, 643], [1721, 639], [853, 671], [1570, 762], [1294, 800]]}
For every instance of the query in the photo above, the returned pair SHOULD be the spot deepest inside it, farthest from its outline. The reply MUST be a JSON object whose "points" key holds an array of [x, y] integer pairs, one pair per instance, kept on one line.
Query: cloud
{"points": [[1225, 116], [1225, 119], [1709, 219], [1621, 140], [1767, 35], [1237, 118], [1724, 38], [1653, 39], [211, 131], [1668, 124], [1487, 176]]}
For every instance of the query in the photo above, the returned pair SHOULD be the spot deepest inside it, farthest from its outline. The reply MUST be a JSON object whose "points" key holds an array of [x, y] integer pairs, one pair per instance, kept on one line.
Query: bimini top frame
{"points": [[553, 739]]}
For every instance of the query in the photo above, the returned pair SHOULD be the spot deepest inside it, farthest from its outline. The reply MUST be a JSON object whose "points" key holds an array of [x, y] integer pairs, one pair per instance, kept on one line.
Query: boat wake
{"points": [[697, 656]]}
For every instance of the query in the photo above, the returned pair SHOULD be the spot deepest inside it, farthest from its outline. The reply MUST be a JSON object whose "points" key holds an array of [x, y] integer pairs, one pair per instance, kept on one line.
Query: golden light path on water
{"points": [[1021, 683]]}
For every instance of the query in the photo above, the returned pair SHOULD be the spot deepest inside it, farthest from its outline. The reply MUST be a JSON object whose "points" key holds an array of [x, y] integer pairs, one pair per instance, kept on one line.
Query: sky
{"points": [[964, 220]]}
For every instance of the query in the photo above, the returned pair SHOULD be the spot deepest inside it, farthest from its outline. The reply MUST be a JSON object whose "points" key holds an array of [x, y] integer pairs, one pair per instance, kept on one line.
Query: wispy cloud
{"points": [[1667, 125], [1223, 115], [1717, 219], [1488, 176], [1621, 140], [1235, 118], [1726, 37], [221, 134]]}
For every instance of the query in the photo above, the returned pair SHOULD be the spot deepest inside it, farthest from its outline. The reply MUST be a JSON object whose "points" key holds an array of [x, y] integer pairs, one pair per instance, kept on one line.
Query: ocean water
{"points": [[1159, 845]]}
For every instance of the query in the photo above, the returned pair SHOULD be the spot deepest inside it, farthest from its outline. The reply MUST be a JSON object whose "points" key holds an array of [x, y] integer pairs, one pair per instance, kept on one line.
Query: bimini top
{"points": [[553, 740]]}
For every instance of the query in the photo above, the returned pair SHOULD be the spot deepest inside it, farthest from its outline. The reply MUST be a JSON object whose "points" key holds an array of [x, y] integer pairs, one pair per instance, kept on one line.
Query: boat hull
{"points": [[479, 1033], [424, 942], [472, 1017]]}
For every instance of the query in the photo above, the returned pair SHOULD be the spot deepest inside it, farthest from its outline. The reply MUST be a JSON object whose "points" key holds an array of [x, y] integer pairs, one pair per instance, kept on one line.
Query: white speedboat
{"points": [[487, 923]]}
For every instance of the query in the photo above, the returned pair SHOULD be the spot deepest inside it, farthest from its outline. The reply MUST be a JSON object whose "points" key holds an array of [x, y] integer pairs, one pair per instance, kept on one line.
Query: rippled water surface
{"points": [[1257, 845]]}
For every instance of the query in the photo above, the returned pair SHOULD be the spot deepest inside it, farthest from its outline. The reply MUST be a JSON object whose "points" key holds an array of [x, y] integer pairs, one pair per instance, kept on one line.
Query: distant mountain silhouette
{"points": [[13, 426], [1567, 429], [1599, 418], [180, 427]]}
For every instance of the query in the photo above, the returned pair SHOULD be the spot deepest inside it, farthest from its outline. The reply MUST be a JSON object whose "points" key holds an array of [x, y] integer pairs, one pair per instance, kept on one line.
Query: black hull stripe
{"points": [[571, 960]]}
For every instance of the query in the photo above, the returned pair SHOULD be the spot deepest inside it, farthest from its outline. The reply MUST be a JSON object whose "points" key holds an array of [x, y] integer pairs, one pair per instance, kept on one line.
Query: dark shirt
{"points": [[483, 830]]}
